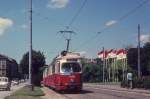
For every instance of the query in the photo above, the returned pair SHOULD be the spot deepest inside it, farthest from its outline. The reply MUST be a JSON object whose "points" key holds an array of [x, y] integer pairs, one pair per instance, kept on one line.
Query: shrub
{"points": [[143, 82], [146, 82], [138, 83], [124, 83]]}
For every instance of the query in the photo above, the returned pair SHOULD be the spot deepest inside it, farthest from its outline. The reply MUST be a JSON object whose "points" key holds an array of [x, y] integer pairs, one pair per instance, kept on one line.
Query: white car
{"points": [[4, 83], [14, 82]]}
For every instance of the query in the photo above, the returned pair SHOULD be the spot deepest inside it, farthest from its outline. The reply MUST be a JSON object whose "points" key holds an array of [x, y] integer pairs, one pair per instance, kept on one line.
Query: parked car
{"points": [[4, 83], [14, 82]]}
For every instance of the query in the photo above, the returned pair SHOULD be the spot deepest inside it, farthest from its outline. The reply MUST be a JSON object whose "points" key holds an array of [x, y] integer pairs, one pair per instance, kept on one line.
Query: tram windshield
{"points": [[70, 67]]}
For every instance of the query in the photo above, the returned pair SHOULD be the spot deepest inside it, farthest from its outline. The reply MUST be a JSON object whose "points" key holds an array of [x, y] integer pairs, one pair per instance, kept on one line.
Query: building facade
{"points": [[8, 67]]}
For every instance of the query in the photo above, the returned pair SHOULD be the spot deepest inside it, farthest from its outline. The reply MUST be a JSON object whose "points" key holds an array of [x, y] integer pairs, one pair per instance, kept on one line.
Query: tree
{"points": [[144, 59], [38, 61], [92, 72], [132, 58]]}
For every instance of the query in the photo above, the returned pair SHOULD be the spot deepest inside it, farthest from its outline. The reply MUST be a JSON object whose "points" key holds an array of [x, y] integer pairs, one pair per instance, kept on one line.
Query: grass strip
{"points": [[26, 93]]}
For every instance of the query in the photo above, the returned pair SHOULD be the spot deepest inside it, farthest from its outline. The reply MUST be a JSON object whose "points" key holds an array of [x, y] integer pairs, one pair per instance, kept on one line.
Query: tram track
{"points": [[105, 93], [95, 93], [120, 90]]}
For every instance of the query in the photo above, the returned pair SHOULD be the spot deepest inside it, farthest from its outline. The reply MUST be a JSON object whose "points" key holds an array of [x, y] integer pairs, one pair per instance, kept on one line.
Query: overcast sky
{"points": [[51, 16]]}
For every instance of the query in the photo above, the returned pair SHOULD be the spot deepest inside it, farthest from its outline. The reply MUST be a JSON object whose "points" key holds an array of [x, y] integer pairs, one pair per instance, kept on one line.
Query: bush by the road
{"points": [[138, 83], [26, 93], [124, 83], [143, 82], [146, 82]]}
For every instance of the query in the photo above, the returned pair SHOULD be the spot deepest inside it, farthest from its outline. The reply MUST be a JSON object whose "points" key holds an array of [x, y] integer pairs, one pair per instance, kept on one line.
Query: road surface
{"points": [[99, 92]]}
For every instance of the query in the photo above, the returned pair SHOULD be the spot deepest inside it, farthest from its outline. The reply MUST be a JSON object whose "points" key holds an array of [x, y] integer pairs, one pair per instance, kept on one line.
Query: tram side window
{"points": [[50, 70], [57, 67], [53, 69]]}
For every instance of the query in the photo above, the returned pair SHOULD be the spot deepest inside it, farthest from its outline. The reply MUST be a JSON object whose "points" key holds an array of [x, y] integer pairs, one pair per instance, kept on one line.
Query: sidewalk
{"points": [[50, 94], [3, 94], [117, 87]]}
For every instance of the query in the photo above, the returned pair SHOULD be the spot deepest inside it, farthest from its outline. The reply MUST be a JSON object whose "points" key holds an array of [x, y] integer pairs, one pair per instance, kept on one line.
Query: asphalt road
{"points": [[98, 92], [4, 93], [95, 92]]}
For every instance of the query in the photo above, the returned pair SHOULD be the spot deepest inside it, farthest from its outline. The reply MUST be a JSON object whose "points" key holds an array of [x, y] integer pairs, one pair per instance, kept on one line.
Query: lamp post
{"points": [[30, 45]]}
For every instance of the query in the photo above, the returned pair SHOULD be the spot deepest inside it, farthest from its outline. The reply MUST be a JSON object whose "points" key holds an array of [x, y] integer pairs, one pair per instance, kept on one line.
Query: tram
{"points": [[64, 73]]}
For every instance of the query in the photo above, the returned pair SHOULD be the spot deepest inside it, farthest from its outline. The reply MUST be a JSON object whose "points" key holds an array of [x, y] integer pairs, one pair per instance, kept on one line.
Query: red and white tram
{"points": [[64, 73]]}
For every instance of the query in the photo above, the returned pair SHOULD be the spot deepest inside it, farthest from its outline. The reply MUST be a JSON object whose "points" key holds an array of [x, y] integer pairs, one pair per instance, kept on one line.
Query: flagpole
{"points": [[109, 69], [126, 66], [106, 69], [103, 65], [113, 69], [123, 68]]}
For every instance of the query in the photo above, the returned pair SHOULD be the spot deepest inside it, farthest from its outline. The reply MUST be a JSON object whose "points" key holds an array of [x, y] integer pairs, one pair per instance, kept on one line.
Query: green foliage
{"points": [[25, 93], [138, 83], [132, 58], [38, 61], [146, 82], [22, 97], [92, 72], [124, 83], [143, 82], [145, 59], [24, 64]]}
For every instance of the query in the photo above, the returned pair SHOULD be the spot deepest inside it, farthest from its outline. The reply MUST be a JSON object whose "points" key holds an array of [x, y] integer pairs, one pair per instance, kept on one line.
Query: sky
{"points": [[99, 23]]}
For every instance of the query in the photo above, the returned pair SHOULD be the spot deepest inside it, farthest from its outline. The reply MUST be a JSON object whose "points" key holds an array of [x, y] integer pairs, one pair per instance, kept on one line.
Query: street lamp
{"points": [[30, 45]]}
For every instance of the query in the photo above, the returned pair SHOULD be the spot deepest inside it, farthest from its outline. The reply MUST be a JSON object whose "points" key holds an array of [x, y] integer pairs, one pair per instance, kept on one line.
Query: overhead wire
{"points": [[119, 19], [77, 13], [105, 28], [133, 10], [39, 15], [73, 18]]}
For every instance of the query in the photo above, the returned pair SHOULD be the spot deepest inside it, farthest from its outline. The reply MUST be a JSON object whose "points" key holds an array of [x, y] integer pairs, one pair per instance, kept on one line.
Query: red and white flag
{"points": [[103, 54], [121, 54], [112, 54]]}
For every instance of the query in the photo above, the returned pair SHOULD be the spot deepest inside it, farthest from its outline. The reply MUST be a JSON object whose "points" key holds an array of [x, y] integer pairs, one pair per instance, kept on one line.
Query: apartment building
{"points": [[8, 67]]}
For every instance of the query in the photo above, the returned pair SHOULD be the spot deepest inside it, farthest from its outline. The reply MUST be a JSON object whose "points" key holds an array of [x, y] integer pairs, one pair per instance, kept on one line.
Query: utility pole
{"points": [[103, 65], [30, 45], [139, 64], [68, 42], [68, 38]]}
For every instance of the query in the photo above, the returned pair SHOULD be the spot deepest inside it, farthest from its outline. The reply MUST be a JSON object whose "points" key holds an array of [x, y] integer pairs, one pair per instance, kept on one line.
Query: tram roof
{"points": [[69, 55]]}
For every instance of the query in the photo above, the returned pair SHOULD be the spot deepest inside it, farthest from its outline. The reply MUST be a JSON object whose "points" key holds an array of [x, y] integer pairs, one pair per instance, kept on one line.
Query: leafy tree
{"points": [[146, 59], [132, 56], [38, 61], [92, 72], [99, 61]]}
